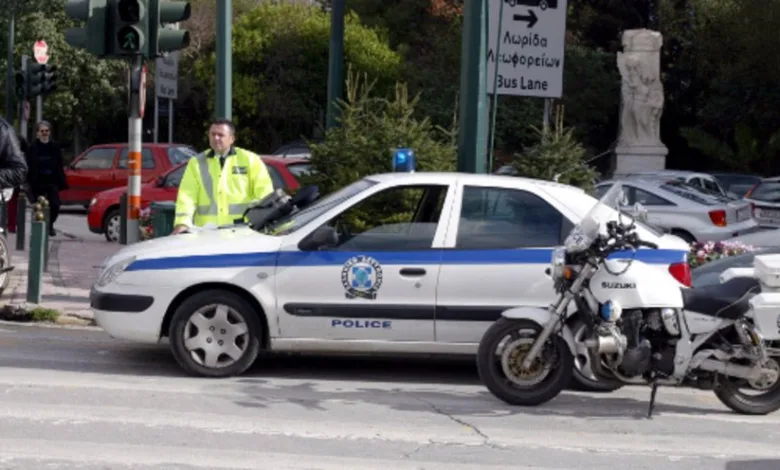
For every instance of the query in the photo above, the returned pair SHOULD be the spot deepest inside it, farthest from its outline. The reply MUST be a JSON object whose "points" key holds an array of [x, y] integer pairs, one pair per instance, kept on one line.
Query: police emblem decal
{"points": [[361, 277]]}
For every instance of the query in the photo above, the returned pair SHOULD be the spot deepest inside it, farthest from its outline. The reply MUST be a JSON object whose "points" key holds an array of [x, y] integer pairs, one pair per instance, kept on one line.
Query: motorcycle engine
{"points": [[649, 342]]}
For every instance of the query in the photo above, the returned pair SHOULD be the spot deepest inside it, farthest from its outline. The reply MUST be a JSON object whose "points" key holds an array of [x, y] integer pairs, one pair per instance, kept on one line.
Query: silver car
{"points": [[765, 197], [692, 213]]}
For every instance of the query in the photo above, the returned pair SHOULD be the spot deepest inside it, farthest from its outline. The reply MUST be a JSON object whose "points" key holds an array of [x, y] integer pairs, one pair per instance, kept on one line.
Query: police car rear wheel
{"points": [[215, 333]]}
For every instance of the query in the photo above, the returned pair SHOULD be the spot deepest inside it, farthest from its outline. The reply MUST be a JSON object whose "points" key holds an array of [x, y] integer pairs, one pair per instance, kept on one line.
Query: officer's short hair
{"points": [[227, 122]]}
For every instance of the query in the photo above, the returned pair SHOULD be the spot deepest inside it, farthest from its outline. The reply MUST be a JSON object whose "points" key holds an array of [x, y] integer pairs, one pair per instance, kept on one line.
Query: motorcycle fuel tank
{"points": [[640, 286]]}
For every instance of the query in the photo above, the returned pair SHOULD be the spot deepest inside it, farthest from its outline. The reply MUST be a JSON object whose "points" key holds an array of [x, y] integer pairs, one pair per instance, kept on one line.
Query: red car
{"points": [[103, 213], [103, 167]]}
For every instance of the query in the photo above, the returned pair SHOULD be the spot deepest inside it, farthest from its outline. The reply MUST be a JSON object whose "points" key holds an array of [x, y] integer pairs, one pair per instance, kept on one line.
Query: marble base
{"points": [[636, 159]]}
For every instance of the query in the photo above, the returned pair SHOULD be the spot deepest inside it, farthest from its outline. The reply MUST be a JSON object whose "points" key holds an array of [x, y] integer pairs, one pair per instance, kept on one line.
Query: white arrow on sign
{"points": [[41, 51], [530, 59]]}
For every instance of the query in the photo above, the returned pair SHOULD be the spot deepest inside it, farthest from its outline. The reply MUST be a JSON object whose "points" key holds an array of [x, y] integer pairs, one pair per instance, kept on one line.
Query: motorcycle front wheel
{"points": [[755, 397], [500, 355]]}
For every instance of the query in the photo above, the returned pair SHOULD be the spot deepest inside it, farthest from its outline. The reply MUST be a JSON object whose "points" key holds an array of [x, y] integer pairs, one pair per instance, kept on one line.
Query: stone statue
{"points": [[639, 146], [642, 92]]}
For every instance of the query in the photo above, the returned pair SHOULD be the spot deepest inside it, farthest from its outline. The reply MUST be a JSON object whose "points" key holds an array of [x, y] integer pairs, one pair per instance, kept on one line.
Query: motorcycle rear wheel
{"points": [[765, 402], [550, 373]]}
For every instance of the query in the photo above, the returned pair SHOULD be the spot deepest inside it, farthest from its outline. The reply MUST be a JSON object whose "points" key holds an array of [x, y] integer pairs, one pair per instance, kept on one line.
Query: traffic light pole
{"points": [[134, 134], [9, 89]]}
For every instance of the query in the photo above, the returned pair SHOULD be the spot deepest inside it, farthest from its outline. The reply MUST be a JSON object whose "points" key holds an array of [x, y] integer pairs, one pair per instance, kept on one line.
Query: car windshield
{"points": [[767, 191], [737, 184], [705, 197], [181, 154], [291, 223]]}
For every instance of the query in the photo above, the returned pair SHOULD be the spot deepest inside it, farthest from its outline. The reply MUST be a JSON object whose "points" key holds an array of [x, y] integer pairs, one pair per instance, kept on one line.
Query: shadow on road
{"points": [[768, 464]]}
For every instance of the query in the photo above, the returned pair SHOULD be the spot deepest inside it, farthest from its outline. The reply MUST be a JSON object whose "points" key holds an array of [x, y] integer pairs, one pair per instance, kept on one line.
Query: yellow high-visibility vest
{"points": [[210, 194]]}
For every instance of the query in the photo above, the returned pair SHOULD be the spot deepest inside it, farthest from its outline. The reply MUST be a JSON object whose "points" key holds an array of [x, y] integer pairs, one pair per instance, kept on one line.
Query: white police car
{"points": [[400, 262]]}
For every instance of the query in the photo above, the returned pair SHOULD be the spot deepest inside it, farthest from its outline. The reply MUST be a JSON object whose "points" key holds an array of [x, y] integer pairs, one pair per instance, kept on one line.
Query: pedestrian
{"points": [[13, 167], [13, 203], [47, 174], [220, 183]]}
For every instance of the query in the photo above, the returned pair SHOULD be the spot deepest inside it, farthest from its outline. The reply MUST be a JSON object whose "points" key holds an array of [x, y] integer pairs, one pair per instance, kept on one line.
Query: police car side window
{"points": [[504, 218], [401, 218]]}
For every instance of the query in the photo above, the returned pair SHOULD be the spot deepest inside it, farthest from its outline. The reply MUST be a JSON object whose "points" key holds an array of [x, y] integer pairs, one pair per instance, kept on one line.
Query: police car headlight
{"points": [[112, 272]]}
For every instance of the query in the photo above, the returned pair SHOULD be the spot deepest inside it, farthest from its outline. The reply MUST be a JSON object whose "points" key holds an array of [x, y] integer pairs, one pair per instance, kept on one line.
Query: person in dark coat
{"points": [[46, 176]]}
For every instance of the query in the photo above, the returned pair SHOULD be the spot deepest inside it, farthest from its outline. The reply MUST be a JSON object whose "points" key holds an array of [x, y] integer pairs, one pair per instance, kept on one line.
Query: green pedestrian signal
{"points": [[162, 39], [130, 22], [92, 36]]}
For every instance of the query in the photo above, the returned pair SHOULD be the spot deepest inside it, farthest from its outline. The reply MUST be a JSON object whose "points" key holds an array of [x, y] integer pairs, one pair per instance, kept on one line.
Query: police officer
{"points": [[219, 184]]}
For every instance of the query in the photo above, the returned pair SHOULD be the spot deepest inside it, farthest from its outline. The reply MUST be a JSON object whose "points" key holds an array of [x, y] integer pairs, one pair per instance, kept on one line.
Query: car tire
{"points": [[687, 237], [224, 324], [112, 225]]}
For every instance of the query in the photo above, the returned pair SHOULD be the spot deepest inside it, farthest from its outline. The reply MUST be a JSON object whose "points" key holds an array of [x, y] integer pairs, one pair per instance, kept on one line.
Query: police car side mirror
{"points": [[322, 237]]}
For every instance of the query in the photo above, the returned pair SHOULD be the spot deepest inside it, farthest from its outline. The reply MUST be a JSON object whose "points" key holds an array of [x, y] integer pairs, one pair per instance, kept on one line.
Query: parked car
{"points": [[737, 183], [709, 273], [691, 213], [698, 180], [103, 212], [765, 198], [103, 167]]}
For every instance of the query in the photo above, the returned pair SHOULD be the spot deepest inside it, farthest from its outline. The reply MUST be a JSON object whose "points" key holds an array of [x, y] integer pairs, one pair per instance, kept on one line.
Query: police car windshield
{"points": [[296, 220]]}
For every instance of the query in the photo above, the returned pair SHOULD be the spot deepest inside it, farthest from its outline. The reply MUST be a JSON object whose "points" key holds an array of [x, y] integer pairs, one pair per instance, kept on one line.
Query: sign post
{"points": [[135, 143], [530, 60], [166, 83], [41, 53]]}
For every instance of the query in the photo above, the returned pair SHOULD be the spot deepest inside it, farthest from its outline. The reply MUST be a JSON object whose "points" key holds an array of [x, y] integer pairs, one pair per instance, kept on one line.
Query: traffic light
{"points": [[49, 78], [93, 36], [36, 75], [162, 39], [129, 27]]}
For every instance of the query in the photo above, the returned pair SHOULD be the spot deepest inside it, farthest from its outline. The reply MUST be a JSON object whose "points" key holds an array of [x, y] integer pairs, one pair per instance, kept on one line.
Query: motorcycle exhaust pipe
{"points": [[734, 370], [603, 344]]}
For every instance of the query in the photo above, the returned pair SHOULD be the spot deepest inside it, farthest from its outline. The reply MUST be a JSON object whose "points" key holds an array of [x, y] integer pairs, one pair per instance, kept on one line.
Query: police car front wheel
{"points": [[215, 333]]}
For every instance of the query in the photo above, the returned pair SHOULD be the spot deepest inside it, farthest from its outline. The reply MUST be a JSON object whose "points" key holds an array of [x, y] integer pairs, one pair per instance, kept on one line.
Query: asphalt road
{"points": [[76, 399]]}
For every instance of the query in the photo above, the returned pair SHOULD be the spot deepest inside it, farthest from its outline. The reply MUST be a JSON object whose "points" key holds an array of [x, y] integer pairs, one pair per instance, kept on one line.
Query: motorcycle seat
{"points": [[729, 300]]}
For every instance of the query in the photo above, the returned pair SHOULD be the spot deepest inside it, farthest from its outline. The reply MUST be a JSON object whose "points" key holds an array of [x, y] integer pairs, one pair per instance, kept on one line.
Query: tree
{"points": [[91, 94], [748, 153], [557, 156], [280, 70], [371, 127]]}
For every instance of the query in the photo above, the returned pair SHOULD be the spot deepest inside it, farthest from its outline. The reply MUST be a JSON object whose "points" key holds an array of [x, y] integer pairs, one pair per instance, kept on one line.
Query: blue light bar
{"points": [[403, 160]]}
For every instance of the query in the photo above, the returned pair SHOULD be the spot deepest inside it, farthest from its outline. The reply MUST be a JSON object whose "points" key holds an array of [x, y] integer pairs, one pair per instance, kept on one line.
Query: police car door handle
{"points": [[412, 272]]}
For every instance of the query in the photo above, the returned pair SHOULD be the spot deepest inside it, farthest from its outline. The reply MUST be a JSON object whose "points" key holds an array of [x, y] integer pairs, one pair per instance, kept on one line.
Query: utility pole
{"points": [[472, 135], [224, 101], [335, 60]]}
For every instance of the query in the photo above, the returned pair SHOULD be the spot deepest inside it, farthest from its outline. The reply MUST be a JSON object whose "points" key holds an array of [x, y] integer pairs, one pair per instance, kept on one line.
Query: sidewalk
{"points": [[73, 267]]}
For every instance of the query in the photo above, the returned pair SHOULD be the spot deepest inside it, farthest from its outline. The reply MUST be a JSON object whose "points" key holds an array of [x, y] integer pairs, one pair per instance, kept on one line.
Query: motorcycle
{"points": [[641, 326]]}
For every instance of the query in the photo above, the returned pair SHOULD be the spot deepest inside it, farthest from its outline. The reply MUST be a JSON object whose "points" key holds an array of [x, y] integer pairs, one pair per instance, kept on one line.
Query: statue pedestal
{"points": [[633, 159]]}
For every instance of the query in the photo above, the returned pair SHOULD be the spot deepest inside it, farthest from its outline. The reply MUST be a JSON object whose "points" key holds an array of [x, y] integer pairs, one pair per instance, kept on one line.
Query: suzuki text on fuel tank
{"points": [[642, 325]]}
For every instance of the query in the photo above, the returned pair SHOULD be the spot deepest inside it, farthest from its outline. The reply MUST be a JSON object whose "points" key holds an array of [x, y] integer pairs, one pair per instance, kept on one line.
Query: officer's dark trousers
{"points": [[52, 194]]}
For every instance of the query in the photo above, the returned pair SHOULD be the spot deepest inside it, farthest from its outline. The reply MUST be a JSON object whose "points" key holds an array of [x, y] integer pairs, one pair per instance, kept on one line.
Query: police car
{"points": [[402, 262]]}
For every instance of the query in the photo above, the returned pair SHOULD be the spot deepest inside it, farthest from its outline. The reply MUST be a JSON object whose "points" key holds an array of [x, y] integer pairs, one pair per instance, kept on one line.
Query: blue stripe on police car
{"points": [[447, 256]]}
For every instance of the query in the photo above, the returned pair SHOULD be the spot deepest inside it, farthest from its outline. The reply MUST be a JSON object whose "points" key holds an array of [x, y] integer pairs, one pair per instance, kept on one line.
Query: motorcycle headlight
{"points": [[109, 274], [558, 262]]}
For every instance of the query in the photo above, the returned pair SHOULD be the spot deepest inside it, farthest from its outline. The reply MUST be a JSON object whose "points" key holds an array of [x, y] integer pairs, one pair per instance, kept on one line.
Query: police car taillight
{"points": [[403, 160]]}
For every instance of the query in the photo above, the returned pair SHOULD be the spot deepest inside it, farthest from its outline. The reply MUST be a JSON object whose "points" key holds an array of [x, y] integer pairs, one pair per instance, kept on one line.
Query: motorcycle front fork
{"points": [[558, 309]]}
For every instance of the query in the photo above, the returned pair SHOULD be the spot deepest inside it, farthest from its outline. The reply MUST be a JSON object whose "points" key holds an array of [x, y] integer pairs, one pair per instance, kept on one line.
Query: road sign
{"points": [[41, 51], [530, 59], [166, 79]]}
